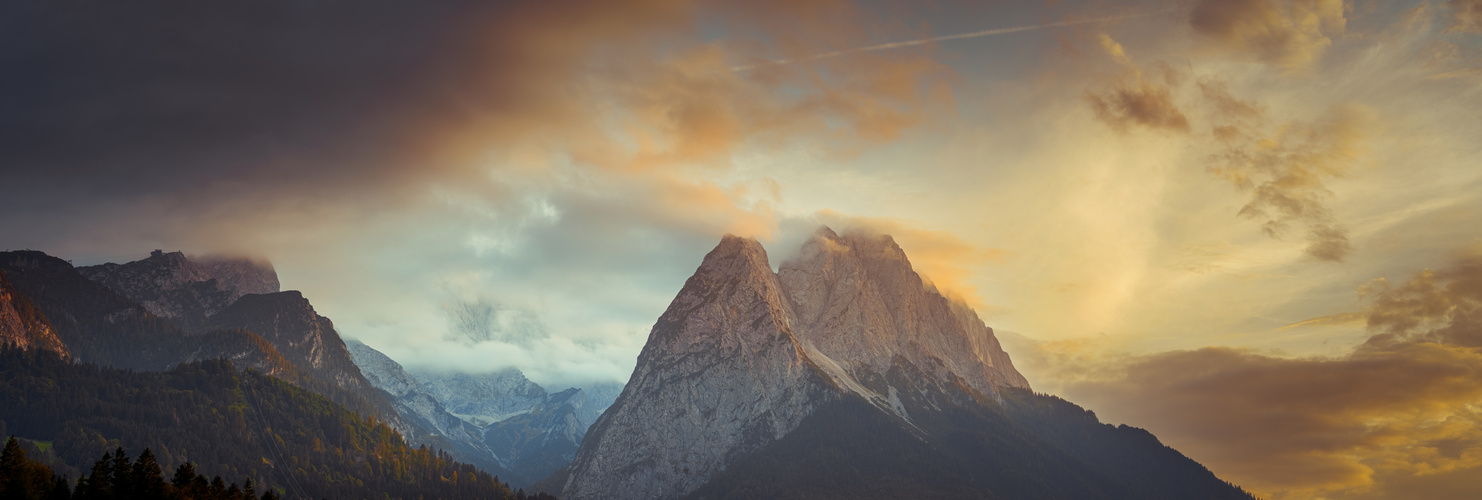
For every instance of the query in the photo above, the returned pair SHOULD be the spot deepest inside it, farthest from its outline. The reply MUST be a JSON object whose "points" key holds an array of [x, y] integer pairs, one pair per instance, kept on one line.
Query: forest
{"points": [[219, 422]]}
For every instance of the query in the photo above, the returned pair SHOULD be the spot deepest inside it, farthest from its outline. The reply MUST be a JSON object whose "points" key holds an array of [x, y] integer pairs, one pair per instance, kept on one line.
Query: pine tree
{"points": [[148, 480], [100, 481], [184, 475], [60, 489], [13, 471], [122, 483]]}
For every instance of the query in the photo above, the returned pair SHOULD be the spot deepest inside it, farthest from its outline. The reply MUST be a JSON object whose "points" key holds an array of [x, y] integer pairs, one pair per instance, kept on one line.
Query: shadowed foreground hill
{"points": [[1031, 446], [230, 423]]}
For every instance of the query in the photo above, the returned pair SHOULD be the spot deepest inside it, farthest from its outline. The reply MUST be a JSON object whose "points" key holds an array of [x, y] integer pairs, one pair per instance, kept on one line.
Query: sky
{"points": [[1249, 226]]}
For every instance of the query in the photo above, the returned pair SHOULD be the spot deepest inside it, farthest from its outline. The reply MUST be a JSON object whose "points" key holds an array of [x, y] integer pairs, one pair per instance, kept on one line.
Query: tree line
{"points": [[223, 422]]}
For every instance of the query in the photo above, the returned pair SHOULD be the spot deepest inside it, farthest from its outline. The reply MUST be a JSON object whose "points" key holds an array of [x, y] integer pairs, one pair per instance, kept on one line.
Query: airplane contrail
{"points": [[924, 41]]}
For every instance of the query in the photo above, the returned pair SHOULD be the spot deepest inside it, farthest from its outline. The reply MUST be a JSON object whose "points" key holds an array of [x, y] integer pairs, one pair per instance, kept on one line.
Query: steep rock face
{"points": [[509, 425], [845, 375], [23, 325], [308, 340], [722, 374], [185, 290], [859, 303], [420, 408], [96, 324], [484, 398], [539, 440], [412, 400]]}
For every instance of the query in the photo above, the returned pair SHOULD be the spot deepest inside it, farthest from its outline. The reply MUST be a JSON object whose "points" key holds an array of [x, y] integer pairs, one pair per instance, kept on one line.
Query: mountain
{"points": [[845, 375], [483, 398], [537, 441], [186, 290], [421, 409], [500, 420], [276, 333], [96, 324], [228, 423], [46, 302], [289, 322], [22, 325]]}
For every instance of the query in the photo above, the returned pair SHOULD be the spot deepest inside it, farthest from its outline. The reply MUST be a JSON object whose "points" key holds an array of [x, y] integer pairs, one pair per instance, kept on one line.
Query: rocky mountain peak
{"points": [[742, 355], [736, 272], [722, 373], [23, 325], [187, 290], [859, 302]]}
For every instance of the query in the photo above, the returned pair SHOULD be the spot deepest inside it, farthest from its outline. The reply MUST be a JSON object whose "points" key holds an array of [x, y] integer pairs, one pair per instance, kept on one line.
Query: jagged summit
{"points": [[743, 355], [859, 301], [186, 290], [845, 375]]}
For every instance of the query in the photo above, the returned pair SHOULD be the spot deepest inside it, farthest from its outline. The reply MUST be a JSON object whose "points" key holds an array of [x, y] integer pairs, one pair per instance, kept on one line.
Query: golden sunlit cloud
{"points": [[1137, 99], [1405, 404], [1286, 174], [1288, 34], [1466, 15]]}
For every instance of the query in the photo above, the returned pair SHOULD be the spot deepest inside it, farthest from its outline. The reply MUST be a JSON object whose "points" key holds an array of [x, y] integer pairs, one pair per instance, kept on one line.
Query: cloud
{"points": [[1136, 99], [1442, 306], [1296, 425], [1286, 173], [564, 153], [935, 39], [482, 320], [1466, 16], [1340, 319], [1403, 405], [942, 258], [1288, 34]]}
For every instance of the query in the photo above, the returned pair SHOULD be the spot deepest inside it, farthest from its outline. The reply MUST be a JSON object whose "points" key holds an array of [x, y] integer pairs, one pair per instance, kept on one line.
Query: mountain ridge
{"points": [[842, 348]]}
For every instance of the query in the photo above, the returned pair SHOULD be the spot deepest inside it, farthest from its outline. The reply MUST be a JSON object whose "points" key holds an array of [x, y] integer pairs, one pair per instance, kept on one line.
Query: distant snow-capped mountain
{"points": [[501, 419]]}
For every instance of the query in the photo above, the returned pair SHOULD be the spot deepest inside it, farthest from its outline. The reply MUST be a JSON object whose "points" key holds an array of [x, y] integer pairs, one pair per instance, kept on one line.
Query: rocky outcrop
{"points": [[859, 303], [22, 325], [412, 400], [743, 355], [483, 398], [96, 324], [185, 290], [723, 373], [504, 422], [308, 340]]}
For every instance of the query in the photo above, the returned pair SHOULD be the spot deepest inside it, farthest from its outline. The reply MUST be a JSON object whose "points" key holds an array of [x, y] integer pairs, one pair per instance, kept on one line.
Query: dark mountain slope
{"points": [[23, 325], [95, 323], [230, 423], [185, 290], [1031, 446]]}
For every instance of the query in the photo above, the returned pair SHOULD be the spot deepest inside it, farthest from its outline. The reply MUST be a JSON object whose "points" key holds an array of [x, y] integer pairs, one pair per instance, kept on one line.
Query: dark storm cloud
{"points": [[123, 98]]}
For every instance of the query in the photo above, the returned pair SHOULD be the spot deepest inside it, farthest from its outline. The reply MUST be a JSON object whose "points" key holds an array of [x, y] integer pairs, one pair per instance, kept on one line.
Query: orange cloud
{"points": [[1136, 99], [1286, 173], [1288, 34], [1466, 16], [1402, 406]]}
